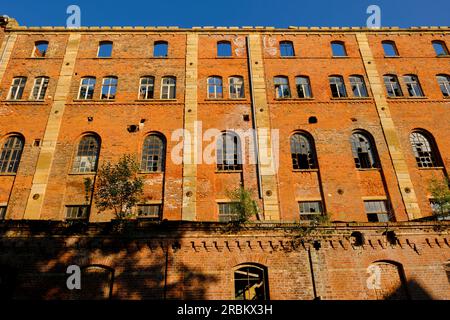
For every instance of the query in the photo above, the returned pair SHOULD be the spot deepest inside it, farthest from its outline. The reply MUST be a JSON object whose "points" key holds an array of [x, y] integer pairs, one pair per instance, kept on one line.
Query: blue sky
{"points": [[278, 13]]}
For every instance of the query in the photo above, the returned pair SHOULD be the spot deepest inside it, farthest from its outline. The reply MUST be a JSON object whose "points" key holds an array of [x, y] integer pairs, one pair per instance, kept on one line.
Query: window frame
{"points": [[371, 161], [259, 270], [42, 88], [19, 88], [105, 43], [308, 85], [3, 210], [443, 47], [340, 95], [141, 215], [360, 86], [301, 141], [169, 86], [417, 138], [282, 86], [149, 157], [86, 210], [222, 153], [229, 216], [111, 86], [78, 159], [286, 46], [391, 86], [445, 83], [11, 153], [412, 83], [386, 214], [235, 95], [87, 86], [308, 215], [147, 86], [216, 85]]}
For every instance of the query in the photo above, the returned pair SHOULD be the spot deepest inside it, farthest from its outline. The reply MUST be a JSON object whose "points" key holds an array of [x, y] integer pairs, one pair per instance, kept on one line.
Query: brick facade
{"points": [[44, 183]]}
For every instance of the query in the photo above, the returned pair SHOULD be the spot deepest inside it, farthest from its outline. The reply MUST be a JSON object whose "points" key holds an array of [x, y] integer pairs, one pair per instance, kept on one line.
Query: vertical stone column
{"points": [[267, 168], [389, 130], [5, 52], [190, 142], [47, 152]]}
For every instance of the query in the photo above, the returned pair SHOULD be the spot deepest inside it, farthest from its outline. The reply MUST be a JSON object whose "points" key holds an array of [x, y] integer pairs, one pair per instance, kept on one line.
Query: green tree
{"points": [[243, 205], [118, 187], [440, 192]]}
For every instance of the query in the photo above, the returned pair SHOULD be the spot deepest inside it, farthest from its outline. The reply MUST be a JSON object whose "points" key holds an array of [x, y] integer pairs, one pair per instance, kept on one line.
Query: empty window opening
{"points": [[377, 211], [11, 154], [76, 212], [413, 85], [109, 88], [338, 49], [215, 89], [149, 211], [228, 152], [302, 152], [105, 49], [337, 87], [286, 49], [153, 154], [390, 49], [87, 86], [161, 49], [237, 88], [250, 283], [168, 88], [39, 88], [40, 49], [440, 48], [86, 157], [147, 88], [309, 210], [424, 150], [17, 88], [282, 90], [363, 151], [358, 86], [392, 86], [303, 87], [224, 49]]}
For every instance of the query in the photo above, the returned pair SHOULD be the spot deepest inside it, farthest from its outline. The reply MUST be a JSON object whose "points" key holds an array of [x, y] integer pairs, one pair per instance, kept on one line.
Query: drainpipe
{"points": [[255, 132], [313, 279]]}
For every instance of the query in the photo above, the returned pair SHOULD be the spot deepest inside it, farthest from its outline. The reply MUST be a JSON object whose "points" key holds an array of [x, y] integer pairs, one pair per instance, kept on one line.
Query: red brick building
{"points": [[349, 122]]}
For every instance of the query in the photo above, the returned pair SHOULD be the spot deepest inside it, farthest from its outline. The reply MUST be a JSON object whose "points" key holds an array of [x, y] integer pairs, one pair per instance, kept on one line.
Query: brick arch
{"points": [[390, 283]]}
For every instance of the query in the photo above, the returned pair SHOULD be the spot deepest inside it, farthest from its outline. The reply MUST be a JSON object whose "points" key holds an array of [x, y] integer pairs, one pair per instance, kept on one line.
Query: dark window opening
{"points": [[250, 283]]}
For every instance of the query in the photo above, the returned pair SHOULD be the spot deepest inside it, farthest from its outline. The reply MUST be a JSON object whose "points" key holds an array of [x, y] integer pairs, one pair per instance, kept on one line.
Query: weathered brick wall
{"points": [[201, 259]]}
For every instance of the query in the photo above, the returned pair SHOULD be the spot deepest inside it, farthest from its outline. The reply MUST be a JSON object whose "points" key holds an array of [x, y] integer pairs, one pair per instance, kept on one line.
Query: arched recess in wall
{"points": [[387, 281], [97, 283], [250, 282]]}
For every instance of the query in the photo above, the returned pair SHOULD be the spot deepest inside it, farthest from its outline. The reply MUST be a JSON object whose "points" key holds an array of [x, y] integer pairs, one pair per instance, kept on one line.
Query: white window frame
{"points": [[282, 86], [238, 85], [341, 84], [41, 87], [391, 83], [21, 85], [359, 82], [87, 86], [444, 81], [169, 88], [215, 86], [147, 86], [414, 84], [306, 87], [109, 87]]}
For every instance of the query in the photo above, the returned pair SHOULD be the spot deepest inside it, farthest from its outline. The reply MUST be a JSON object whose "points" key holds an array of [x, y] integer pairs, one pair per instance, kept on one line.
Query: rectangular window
{"points": [[39, 89], [303, 87], [147, 88], [2, 212], [17, 87], [105, 49], [168, 88], [310, 209], [77, 212], [337, 87], [236, 88], [87, 86], [152, 211], [377, 211], [227, 212], [109, 88], [358, 87]]}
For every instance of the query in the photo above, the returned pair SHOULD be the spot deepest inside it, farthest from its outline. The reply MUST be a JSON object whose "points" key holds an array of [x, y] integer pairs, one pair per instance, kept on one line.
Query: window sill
{"points": [[392, 57], [294, 99], [151, 172], [408, 98], [305, 170], [82, 173], [351, 98], [155, 100], [443, 56], [432, 168], [8, 174], [94, 100], [368, 169], [228, 171], [230, 57], [24, 101], [225, 99], [340, 57]]}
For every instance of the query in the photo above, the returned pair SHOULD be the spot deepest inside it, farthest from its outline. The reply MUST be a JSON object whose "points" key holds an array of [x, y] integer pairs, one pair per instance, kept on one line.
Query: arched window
{"points": [[392, 85], [87, 86], [17, 87], [440, 48], [424, 149], [153, 154], [390, 49], [39, 88], [160, 49], [358, 86], [40, 49], [303, 87], [286, 49], [338, 49], [337, 87], [250, 282], [302, 152], [109, 88], [97, 283], [444, 84], [147, 88], [215, 89], [229, 152], [105, 49], [364, 151], [413, 85], [282, 90], [86, 156], [237, 90], [168, 88], [387, 281], [11, 154], [224, 49]]}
